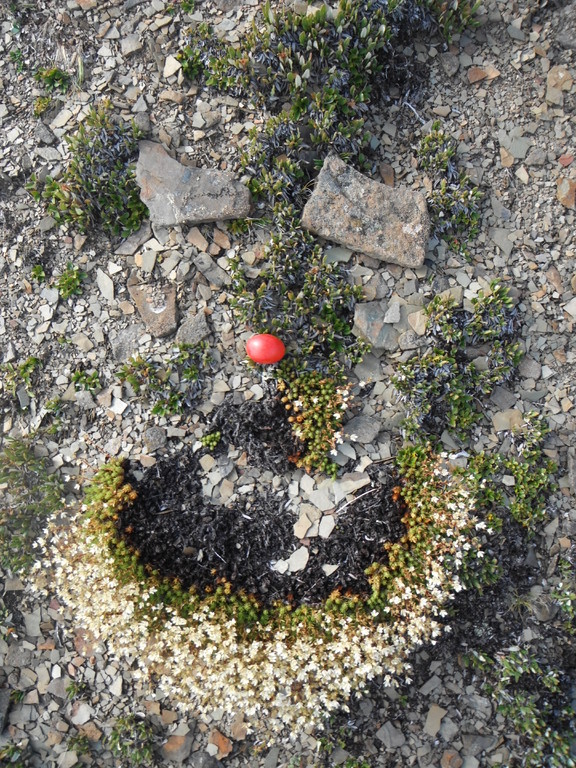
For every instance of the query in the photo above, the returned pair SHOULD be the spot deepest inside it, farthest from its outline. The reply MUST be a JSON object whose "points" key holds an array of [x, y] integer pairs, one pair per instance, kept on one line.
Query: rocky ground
{"points": [[505, 91]]}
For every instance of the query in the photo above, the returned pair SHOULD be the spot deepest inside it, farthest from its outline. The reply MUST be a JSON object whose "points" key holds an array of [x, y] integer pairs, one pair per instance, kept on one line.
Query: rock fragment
{"points": [[388, 223], [156, 305], [193, 329], [177, 194], [369, 323]]}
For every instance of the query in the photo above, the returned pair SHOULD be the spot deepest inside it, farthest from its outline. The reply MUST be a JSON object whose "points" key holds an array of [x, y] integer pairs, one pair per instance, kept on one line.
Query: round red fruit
{"points": [[264, 348]]}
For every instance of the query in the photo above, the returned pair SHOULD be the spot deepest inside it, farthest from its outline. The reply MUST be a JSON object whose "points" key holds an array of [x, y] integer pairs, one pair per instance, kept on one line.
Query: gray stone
{"points": [[501, 239], [156, 304], [154, 438], [500, 211], [327, 525], [298, 559], [130, 44], [503, 398], [57, 687], [481, 705], [80, 712], [82, 341], [204, 760], [430, 685], [177, 194], [18, 657], [365, 428], [85, 400], [530, 368], [434, 720], [4, 707], [350, 482], [105, 284], [125, 343], [51, 295], [537, 157], [193, 329], [67, 759], [44, 134], [369, 369], [475, 743], [23, 397], [544, 608], [519, 147], [570, 308], [129, 246], [393, 313], [32, 623], [47, 223], [388, 223], [450, 63], [516, 33], [449, 729], [211, 271], [369, 323], [410, 340], [390, 736]]}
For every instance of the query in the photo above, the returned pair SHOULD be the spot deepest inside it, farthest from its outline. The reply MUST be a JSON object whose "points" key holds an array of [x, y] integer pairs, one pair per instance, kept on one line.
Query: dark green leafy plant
{"points": [[441, 388], [53, 79], [172, 385], [299, 296], [85, 380], [16, 755], [70, 281], [532, 474], [31, 493], [77, 689], [17, 58], [454, 16], [38, 273], [132, 741], [536, 701], [453, 199], [98, 186], [79, 743], [15, 375]]}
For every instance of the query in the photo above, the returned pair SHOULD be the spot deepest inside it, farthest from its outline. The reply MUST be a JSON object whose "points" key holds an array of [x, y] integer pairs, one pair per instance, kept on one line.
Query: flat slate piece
{"points": [[387, 223], [178, 194]]}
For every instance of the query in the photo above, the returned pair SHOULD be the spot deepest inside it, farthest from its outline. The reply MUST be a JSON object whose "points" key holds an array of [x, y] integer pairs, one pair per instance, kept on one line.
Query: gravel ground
{"points": [[505, 91]]}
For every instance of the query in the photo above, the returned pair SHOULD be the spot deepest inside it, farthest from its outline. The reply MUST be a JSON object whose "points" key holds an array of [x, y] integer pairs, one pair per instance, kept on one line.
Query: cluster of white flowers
{"points": [[291, 680]]}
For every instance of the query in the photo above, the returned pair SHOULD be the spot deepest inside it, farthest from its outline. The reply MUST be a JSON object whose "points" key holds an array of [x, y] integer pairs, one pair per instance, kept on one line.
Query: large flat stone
{"points": [[388, 223], [177, 194]]}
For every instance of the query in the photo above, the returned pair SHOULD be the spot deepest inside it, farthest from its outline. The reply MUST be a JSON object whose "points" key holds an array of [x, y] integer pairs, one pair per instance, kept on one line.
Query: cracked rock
{"points": [[178, 194]]}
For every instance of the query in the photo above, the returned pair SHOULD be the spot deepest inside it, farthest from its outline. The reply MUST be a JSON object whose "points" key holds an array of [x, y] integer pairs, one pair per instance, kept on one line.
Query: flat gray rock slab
{"points": [[388, 223], [177, 194]]}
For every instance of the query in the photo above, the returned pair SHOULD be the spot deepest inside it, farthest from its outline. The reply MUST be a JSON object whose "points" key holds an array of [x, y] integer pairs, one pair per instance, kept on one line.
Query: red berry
{"points": [[264, 348]]}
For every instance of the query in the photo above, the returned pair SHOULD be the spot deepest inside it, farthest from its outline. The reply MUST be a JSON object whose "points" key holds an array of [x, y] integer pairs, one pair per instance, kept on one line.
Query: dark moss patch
{"points": [[179, 535], [261, 429]]}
